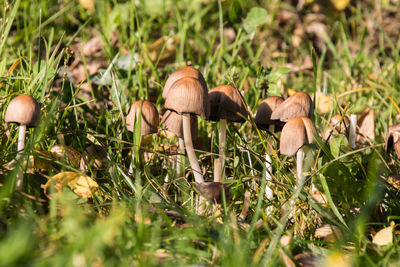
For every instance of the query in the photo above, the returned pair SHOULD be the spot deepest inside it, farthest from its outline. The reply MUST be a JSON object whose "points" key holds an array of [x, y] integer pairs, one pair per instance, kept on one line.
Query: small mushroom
{"points": [[25, 111], [212, 191], [188, 96], [298, 104], [226, 104], [296, 133], [263, 120], [392, 141], [149, 120]]}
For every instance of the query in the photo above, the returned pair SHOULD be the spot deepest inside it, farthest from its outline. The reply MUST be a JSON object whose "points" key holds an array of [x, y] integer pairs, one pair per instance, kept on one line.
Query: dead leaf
{"points": [[366, 126], [324, 103], [93, 47], [164, 48], [81, 185], [385, 236], [329, 233], [88, 4], [66, 152]]}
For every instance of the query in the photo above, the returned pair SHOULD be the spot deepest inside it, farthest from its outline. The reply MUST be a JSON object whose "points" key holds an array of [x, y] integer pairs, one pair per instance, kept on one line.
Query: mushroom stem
{"points": [[246, 205], [180, 162], [353, 130], [268, 168], [21, 140], [300, 162], [217, 170], [198, 176], [222, 145]]}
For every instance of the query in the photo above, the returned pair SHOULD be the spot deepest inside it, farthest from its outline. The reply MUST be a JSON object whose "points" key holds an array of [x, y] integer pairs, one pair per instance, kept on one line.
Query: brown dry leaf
{"points": [[340, 4], [323, 102], [394, 180], [155, 49], [88, 4], [66, 152], [385, 236], [366, 126], [81, 185], [319, 198], [337, 259], [93, 47], [329, 233]]}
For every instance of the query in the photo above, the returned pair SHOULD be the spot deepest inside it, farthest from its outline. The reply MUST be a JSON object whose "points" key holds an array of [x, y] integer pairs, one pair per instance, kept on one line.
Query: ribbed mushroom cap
{"points": [[298, 104], [296, 133], [187, 95], [24, 110], [392, 141], [213, 191], [173, 123], [225, 103], [337, 125], [264, 111], [181, 73], [149, 120]]}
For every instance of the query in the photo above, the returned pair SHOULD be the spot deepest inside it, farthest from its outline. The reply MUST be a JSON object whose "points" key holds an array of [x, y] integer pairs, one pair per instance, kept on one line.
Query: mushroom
{"points": [[263, 120], [181, 73], [392, 141], [296, 133], [25, 111], [226, 104], [149, 120], [353, 130], [188, 96], [298, 104], [173, 123]]}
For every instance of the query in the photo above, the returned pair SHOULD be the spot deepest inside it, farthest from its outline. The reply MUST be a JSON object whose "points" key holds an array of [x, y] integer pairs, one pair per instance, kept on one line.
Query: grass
{"points": [[133, 220]]}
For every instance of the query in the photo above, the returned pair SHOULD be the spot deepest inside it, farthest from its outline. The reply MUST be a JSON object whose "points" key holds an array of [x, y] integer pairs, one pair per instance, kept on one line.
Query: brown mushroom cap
{"points": [[298, 104], [150, 117], [337, 125], [213, 191], [187, 95], [392, 141], [181, 73], [264, 111], [24, 110], [225, 103], [295, 133], [173, 123]]}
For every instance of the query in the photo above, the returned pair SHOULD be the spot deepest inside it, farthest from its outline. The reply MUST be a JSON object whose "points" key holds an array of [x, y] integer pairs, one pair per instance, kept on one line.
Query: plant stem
{"points": [[198, 176], [300, 163], [222, 145], [130, 171], [21, 140], [217, 170]]}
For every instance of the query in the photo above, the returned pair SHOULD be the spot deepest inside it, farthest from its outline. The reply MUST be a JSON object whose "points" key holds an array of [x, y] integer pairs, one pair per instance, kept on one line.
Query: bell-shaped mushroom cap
{"points": [[187, 95], [226, 103], [264, 111], [150, 117], [181, 73], [337, 125], [298, 104], [173, 123], [296, 133], [213, 191], [24, 110], [393, 138]]}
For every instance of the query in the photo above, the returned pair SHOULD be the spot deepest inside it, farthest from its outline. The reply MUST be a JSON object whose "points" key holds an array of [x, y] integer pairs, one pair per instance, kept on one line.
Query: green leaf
{"points": [[235, 12], [256, 17]]}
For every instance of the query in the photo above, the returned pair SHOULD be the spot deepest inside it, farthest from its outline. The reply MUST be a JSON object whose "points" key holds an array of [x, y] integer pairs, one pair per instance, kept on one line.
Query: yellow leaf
{"points": [[88, 4], [81, 185], [340, 4], [384, 237], [337, 259]]}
